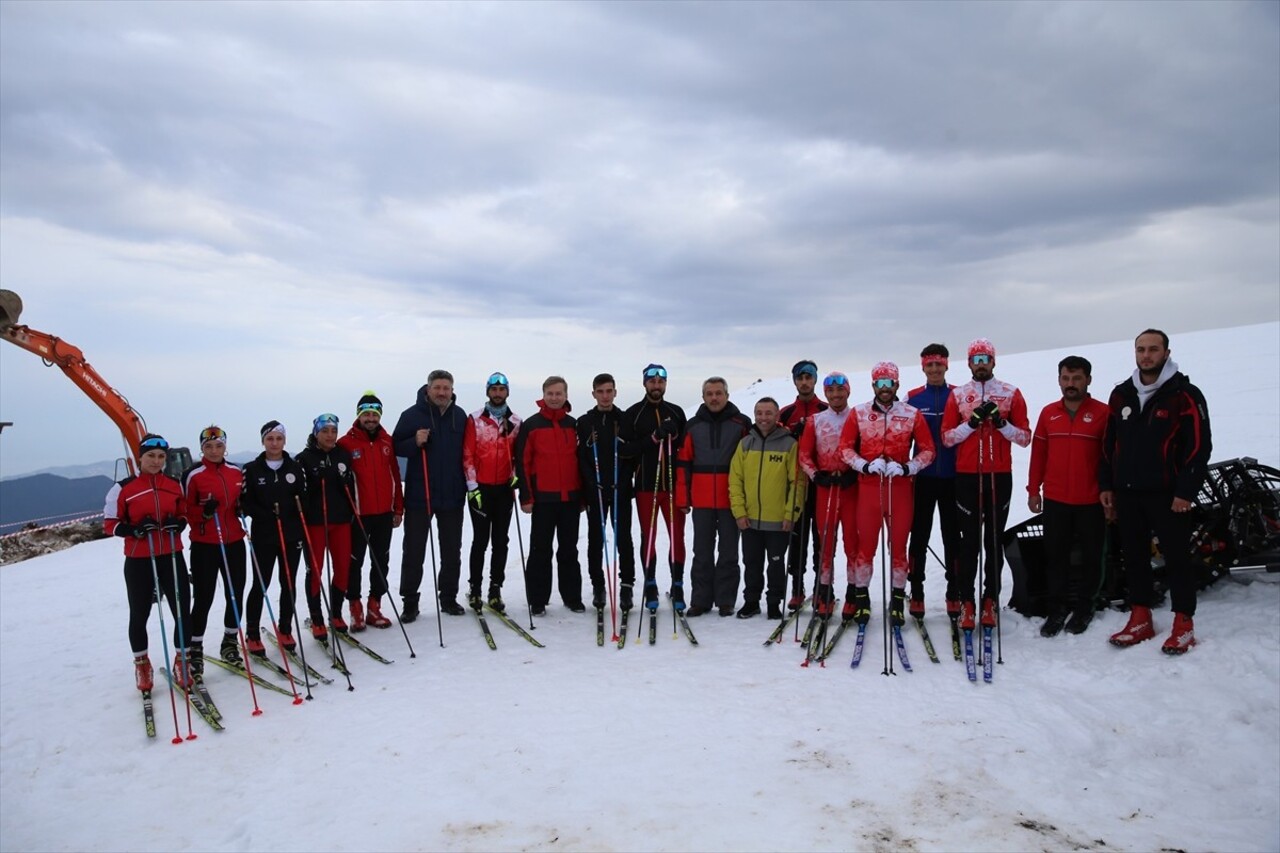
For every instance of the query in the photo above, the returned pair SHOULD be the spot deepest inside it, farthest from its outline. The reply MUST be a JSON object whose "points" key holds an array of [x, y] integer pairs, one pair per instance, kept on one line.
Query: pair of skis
{"points": [[505, 620]]}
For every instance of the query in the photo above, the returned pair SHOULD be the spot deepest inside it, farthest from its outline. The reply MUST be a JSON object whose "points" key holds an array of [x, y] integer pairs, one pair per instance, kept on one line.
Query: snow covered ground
{"points": [[727, 746]]}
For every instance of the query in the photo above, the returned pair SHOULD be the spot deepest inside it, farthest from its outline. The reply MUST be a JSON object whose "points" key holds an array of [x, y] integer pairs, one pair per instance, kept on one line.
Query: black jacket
{"points": [[639, 448], [599, 436], [266, 490], [329, 483], [1164, 447], [444, 453]]}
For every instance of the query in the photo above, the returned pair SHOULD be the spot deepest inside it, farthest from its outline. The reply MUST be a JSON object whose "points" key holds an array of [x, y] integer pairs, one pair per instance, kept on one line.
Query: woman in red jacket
{"points": [[146, 511]]}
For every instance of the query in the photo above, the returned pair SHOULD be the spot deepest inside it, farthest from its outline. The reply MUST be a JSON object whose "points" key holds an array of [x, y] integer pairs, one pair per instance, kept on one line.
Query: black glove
{"points": [[981, 413], [997, 421], [210, 507], [797, 429], [667, 428], [124, 530], [141, 530], [824, 478], [174, 524]]}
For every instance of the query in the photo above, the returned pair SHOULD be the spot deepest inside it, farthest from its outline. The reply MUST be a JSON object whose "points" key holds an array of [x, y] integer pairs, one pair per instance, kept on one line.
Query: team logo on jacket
{"points": [[342, 467], [1125, 412], [1088, 418], [357, 454], [386, 451], [874, 417], [290, 478], [1162, 413]]}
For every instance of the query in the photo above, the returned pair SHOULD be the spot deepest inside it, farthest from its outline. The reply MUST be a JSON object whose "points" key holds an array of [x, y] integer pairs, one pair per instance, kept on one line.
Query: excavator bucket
{"points": [[10, 308]]}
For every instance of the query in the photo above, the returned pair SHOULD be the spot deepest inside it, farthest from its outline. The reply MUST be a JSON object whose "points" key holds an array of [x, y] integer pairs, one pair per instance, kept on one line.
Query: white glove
{"points": [[895, 469], [875, 466]]}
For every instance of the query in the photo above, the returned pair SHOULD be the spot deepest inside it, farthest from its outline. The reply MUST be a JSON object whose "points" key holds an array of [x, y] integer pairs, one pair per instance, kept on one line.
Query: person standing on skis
{"points": [[935, 485], [599, 433], [794, 416], [836, 486], [488, 461], [328, 514]]}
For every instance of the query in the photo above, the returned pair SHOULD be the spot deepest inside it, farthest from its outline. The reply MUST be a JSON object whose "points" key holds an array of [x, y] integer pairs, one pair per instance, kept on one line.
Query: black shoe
{"points": [[677, 595], [474, 601], [775, 610], [696, 611], [409, 613], [896, 604], [577, 607], [538, 610], [749, 610], [597, 597], [452, 607], [1053, 625], [726, 611], [1079, 621], [229, 652], [625, 599], [195, 661], [495, 600]]}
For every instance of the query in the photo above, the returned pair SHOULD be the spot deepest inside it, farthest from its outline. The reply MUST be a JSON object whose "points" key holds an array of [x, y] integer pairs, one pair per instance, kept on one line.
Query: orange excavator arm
{"points": [[70, 359]]}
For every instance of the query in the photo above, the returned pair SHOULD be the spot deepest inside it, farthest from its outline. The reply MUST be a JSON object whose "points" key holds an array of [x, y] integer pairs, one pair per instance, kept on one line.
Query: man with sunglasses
{"points": [[984, 418], [488, 461], [935, 484], [430, 435], [1155, 456], [877, 443], [651, 432], [837, 487], [804, 375], [380, 503]]}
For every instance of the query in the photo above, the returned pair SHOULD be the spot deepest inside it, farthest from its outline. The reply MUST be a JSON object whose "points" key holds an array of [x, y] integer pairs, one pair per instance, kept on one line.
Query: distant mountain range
{"points": [[110, 468]]}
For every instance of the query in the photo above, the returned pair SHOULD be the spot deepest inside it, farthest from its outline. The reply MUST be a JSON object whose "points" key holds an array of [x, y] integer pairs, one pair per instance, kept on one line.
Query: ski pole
{"points": [[524, 570], [995, 545], [326, 595], [313, 575], [884, 592], [287, 572], [671, 527], [431, 545], [164, 642], [271, 611], [604, 532], [373, 562], [182, 631], [235, 610]]}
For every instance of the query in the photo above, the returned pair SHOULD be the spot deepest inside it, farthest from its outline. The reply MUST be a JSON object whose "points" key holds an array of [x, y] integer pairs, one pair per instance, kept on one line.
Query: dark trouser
{"points": [[417, 526], [757, 546], [491, 528], [619, 534], [378, 527], [266, 551], [1064, 526], [714, 573], [930, 492], [140, 586], [981, 533], [804, 531], [206, 568], [1140, 514], [556, 520]]}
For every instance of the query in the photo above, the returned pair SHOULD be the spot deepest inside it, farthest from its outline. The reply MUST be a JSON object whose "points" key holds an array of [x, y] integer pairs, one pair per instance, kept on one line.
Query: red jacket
{"points": [[224, 482], [131, 500], [820, 443], [547, 457], [873, 433], [1065, 451], [985, 447], [488, 449], [373, 461]]}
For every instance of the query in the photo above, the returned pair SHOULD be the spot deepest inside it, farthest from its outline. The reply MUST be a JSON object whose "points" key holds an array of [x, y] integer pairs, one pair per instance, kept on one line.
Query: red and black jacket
{"points": [[711, 438], [329, 480], [223, 482], [1164, 447], [155, 497], [373, 459], [547, 457]]}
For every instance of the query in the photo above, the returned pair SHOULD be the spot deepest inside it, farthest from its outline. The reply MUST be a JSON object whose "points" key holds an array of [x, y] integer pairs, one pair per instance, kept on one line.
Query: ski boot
{"points": [[1054, 622], [677, 595], [255, 647], [357, 615], [624, 598], [824, 600], [1182, 637], [373, 614], [990, 612], [228, 650], [651, 595], [1139, 628], [495, 600], [142, 672], [181, 672], [896, 602]]}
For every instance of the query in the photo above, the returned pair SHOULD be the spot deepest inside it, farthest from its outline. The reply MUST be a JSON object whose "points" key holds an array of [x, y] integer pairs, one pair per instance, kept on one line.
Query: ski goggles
{"points": [[884, 382], [497, 379], [655, 371], [212, 433], [154, 443], [979, 358], [376, 408], [322, 421], [835, 379], [805, 368]]}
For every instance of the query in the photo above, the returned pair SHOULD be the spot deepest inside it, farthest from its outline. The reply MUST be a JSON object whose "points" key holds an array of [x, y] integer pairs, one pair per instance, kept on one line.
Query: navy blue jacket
{"points": [[444, 453], [931, 400]]}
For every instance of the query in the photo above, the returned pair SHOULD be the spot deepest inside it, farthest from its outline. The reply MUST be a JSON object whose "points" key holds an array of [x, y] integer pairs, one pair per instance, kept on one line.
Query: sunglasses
{"points": [[325, 420], [980, 358], [369, 407], [498, 379], [212, 433], [835, 380], [884, 383], [154, 444], [656, 373], [808, 369]]}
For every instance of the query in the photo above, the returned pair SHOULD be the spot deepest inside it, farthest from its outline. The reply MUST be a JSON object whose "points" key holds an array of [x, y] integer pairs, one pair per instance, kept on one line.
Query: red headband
{"points": [[925, 360]]}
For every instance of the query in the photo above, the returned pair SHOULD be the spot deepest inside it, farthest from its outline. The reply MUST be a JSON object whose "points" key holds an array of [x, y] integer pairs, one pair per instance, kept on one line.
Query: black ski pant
{"points": [[206, 568], [619, 534], [491, 527], [417, 527], [378, 530], [714, 571], [981, 531], [805, 531], [1141, 514], [558, 521], [266, 551], [1066, 525], [931, 492], [140, 587], [761, 548]]}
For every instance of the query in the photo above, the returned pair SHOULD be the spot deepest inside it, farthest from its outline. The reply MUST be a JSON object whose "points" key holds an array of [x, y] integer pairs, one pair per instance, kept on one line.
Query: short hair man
{"points": [[794, 416], [1154, 460], [1065, 450], [766, 498], [702, 484], [599, 436], [551, 489], [984, 418], [651, 433], [935, 485], [430, 435], [488, 460]]}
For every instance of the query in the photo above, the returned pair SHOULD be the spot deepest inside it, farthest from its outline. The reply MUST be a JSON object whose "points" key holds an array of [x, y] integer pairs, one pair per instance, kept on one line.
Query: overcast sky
{"points": [[249, 211]]}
